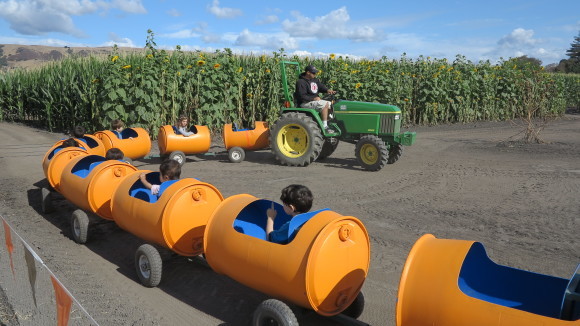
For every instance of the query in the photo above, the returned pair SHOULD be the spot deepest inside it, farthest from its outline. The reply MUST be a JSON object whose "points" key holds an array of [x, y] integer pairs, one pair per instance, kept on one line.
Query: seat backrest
{"points": [[298, 221], [164, 185], [571, 301], [253, 217], [83, 167]]}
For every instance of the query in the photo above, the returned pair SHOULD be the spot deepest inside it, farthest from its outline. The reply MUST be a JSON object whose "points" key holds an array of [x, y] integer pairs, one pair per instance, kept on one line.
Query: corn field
{"points": [[152, 88]]}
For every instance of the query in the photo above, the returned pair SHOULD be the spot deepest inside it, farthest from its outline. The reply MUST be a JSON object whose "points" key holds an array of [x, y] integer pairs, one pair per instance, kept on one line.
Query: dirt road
{"points": [[463, 182]]}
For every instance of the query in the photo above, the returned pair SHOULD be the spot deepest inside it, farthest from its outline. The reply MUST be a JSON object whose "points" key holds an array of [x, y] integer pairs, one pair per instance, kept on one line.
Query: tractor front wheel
{"points": [[296, 140], [328, 147], [371, 152], [395, 152]]}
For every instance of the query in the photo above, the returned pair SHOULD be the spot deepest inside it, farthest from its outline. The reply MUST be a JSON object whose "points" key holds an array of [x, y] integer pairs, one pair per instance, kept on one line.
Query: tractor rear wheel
{"points": [[371, 152], [328, 147], [296, 140], [395, 152]]}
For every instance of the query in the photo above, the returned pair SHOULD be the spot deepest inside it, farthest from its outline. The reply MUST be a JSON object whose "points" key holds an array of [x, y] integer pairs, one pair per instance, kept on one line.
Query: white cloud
{"points": [[38, 17], [222, 12], [271, 19], [517, 39], [335, 25], [266, 41], [121, 42], [174, 12], [129, 6], [185, 33], [522, 42]]}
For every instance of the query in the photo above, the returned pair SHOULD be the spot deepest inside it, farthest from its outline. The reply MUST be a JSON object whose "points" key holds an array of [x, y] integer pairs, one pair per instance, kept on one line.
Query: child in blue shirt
{"points": [[297, 199]]}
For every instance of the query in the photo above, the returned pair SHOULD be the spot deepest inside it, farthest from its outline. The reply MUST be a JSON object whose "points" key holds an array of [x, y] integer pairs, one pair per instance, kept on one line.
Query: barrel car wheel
{"points": [[236, 154], [149, 265], [274, 312], [46, 200], [79, 226]]}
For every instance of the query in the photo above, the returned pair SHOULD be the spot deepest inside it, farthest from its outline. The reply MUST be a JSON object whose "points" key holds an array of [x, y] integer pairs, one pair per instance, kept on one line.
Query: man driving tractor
{"points": [[306, 95]]}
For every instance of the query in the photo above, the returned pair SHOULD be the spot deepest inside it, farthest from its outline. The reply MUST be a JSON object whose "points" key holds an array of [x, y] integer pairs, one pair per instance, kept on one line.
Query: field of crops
{"points": [[152, 88]]}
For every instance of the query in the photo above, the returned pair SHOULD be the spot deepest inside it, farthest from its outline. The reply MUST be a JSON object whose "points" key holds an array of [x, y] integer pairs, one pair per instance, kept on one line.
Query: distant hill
{"points": [[31, 56]]}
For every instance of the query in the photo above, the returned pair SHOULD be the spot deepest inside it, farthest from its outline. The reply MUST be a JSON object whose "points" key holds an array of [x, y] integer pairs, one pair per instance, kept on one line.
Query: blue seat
{"points": [[298, 221], [118, 134], [483, 279], [250, 229], [86, 165], [252, 219], [128, 132], [144, 194], [164, 185], [89, 141]]}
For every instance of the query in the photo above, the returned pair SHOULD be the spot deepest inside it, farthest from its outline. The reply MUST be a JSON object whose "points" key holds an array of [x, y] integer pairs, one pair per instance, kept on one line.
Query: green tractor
{"points": [[298, 139]]}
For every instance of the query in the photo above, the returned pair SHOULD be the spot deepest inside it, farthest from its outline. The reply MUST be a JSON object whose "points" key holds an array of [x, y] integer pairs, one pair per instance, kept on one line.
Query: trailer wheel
{"points": [[46, 201], [274, 312], [79, 224], [296, 140], [149, 265], [236, 154], [178, 156], [371, 152], [328, 147], [395, 152], [356, 307]]}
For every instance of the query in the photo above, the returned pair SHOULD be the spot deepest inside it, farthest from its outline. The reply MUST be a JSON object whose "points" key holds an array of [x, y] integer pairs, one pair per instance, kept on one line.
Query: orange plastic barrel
{"points": [[430, 290], [176, 220], [89, 182], [56, 159], [135, 142], [169, 141], [323, 268], [249, 139]]}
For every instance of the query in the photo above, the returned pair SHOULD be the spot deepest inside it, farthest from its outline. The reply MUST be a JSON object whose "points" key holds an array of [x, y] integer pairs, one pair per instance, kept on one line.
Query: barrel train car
{"points": [[322, 268]]}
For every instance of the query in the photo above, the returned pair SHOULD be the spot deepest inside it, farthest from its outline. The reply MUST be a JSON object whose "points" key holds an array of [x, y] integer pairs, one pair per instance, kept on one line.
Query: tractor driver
{"points": [[306, 95]]}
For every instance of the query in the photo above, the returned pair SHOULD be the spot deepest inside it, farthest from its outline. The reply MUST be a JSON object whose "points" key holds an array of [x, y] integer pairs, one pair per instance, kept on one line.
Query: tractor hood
{"points": [[364, 107]]}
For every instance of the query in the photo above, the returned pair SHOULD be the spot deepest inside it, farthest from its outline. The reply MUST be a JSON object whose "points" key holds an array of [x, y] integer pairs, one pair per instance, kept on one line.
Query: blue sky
{"points": [[358, 29]]}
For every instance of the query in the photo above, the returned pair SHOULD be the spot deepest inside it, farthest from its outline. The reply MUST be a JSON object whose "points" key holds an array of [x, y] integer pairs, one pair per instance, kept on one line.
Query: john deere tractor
{"points": [[297, 138]]}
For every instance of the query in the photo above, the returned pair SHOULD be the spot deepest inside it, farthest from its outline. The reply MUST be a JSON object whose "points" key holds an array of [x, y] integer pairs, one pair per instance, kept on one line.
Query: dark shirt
{"points": [[307, 89]]}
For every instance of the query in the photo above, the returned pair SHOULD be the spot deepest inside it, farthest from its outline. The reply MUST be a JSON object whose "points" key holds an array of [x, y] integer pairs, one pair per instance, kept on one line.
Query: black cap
{"points": [[311, 69]]}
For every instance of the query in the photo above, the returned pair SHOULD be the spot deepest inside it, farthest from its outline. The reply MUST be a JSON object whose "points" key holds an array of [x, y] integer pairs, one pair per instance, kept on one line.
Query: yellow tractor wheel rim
{"points": [[292, 140], [369, 154]]}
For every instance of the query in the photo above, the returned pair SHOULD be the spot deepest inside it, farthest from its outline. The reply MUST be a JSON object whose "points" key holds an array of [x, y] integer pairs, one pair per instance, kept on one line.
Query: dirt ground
{"points": [[460, 181]]}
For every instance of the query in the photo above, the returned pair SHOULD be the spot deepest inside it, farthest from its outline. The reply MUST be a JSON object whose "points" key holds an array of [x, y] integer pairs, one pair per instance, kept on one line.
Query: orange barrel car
{"points": [[89, 183], [175, 219], [177, 146], [237, 141], [453, 282], [322, 268], [134, 142], [53, 164]]}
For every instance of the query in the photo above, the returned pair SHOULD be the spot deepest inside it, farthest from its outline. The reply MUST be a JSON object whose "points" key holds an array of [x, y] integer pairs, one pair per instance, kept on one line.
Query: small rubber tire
{"points": [[178, 156], [148, 265], [127, 160], [274, 312], [236, 154], [356, 308], [371, 152], [79, 225], [46, 201]]}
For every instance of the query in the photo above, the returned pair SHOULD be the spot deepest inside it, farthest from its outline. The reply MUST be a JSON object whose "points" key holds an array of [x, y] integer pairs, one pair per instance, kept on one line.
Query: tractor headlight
{"points": [[397, 116]]}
